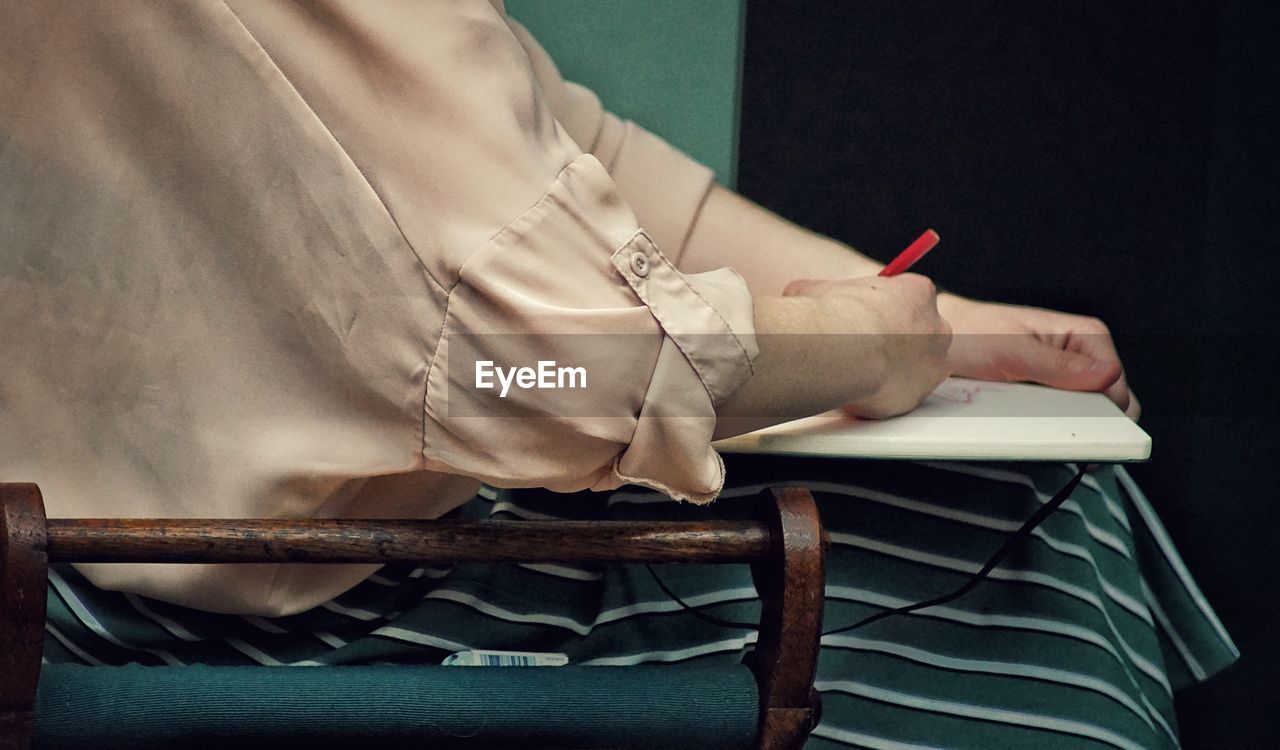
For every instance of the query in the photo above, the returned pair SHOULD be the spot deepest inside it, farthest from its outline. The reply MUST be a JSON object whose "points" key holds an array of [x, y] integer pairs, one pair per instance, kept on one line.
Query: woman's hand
{"points": [[1013, 343], [906, 330]]}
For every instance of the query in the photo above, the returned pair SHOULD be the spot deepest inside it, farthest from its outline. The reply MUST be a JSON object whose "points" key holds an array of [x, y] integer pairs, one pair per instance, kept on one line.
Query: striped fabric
{"points": [[1077, 640]]}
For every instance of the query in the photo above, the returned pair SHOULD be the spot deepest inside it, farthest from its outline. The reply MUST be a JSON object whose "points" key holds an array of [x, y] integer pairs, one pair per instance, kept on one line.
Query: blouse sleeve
{"points": [[664, 186], [544, 265]]}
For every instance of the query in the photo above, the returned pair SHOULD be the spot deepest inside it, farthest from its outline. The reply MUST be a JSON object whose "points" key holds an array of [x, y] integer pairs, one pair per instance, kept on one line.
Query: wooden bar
{"points": [[791, 585], [24, 575], [384, 541], [785, 549]]}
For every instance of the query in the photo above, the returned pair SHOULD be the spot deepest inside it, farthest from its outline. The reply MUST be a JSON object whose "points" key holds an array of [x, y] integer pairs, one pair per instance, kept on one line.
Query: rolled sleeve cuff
{"points": [[573, 281], [708, 353]]}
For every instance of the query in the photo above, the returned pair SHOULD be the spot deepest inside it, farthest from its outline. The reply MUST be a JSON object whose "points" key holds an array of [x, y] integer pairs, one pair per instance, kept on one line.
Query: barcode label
{"points": [[504, 659]]}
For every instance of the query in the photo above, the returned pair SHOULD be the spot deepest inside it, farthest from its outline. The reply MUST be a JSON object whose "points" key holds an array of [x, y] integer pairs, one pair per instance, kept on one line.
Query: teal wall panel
{"points": [[672, 66]]}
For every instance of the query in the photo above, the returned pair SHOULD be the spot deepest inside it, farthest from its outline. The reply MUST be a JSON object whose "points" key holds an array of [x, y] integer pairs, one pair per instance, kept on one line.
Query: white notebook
{"points": [[968, 420]]}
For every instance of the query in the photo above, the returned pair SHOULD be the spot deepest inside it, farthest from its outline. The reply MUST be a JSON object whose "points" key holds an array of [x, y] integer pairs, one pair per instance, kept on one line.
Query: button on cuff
{"points": [[640, 264]]}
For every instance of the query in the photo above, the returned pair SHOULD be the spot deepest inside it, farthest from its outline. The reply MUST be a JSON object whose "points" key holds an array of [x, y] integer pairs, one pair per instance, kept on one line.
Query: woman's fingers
{"points": [[1095, 340], [1134, 409], [1031, 360]]}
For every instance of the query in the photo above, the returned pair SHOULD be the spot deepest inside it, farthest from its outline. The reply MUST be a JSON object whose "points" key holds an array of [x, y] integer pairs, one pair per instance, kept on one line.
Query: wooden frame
{"points": [[786, 550]]}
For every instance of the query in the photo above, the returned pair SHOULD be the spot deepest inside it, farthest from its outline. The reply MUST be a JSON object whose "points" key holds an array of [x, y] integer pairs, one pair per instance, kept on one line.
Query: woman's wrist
{"points": [[815, 355], [955, 309]]}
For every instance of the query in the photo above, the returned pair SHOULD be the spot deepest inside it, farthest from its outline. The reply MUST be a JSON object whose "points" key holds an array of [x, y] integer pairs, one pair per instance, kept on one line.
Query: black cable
{"points": [[1014, 539], [700, 615], [1012, 542]]}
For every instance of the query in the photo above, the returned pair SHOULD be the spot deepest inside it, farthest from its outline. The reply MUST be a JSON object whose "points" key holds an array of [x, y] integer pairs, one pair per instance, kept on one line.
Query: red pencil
{"points": [[914, 252]]}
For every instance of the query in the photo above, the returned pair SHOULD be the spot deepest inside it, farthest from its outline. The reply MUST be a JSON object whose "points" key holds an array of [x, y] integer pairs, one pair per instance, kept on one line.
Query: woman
{"points": [[259, 249]]}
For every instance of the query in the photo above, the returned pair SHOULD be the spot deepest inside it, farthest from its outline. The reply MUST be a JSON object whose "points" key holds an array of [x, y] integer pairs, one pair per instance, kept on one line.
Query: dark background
{"points": [[1115, 158]]}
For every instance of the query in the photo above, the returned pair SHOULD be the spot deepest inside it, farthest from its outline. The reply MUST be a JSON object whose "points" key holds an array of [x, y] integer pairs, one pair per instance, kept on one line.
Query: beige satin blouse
{"points": [[237, 240]]}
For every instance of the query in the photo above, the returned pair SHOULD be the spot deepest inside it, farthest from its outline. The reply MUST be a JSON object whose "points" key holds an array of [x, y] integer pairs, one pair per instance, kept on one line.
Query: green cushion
{"points": [[641, 706]]}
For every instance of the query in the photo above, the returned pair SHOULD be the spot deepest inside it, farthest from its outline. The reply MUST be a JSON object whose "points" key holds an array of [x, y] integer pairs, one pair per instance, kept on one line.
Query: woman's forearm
{"points": [[733, 231]]}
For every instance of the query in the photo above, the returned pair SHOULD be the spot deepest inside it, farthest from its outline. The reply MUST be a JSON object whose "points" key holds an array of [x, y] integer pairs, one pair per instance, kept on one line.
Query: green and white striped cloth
{"points": [[1077, 640]]}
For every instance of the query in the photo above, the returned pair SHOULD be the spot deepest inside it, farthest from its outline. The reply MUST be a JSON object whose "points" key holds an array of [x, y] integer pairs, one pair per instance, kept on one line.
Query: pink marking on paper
{"points": [[959, 394]]}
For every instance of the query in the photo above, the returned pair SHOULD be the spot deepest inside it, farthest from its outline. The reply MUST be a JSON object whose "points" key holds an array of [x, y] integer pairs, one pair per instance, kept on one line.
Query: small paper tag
{"points": [[479, 658]]}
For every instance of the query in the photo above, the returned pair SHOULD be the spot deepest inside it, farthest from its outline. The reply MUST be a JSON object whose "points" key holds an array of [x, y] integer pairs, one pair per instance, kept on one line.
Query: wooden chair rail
{"points": [[786, 551], [383, 541]]}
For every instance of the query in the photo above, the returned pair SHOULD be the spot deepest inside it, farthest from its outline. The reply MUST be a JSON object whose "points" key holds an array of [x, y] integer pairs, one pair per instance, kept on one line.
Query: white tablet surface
{"points": [[968, 419]]}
